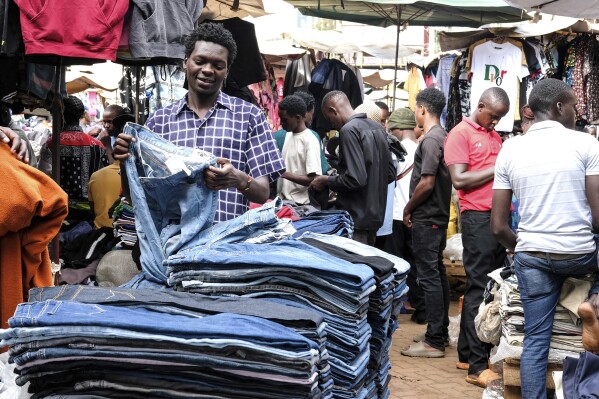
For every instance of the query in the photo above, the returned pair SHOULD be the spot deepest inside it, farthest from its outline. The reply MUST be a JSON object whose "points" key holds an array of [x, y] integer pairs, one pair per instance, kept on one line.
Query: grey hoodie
{"points": [[158, 27]]}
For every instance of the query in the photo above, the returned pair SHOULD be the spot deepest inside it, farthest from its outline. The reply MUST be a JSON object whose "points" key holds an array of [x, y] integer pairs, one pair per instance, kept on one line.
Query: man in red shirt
{"points": [[471, 149]]}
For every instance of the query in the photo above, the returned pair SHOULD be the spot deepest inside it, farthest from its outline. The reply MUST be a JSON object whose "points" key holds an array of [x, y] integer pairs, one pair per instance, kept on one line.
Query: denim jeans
{"points": [[360, 249], [172, 202], [428, 243], [540, 282], [77, 315], [192, 305]]}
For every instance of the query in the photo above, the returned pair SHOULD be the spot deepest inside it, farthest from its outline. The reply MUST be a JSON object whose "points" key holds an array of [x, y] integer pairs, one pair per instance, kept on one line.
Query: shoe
{"points": [[422, 349], [482, 378], [420, 338], [462, 366]]}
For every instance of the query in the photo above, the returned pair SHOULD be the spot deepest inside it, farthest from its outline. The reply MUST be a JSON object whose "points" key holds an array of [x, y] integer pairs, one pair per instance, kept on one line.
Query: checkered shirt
{"points": [[233, 129]]}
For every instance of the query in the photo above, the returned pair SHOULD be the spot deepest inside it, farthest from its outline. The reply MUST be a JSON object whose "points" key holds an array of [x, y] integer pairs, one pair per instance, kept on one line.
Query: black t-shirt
{"points": [[428, 160]]}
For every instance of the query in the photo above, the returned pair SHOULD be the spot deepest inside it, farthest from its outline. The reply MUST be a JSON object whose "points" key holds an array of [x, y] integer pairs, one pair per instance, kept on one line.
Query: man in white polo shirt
{"points": [[554, 173]]}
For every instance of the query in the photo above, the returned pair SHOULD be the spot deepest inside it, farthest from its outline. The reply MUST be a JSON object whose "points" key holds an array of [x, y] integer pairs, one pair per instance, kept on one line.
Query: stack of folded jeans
{"points": [[170, 345], [567, 328], [390, 274], [294, 273], [337, 223]]}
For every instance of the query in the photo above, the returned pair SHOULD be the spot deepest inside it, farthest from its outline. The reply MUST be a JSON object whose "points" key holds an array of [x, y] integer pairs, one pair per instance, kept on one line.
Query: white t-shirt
{"points": [[402, 189], [301, 153], [498, 65], [546, 170]]}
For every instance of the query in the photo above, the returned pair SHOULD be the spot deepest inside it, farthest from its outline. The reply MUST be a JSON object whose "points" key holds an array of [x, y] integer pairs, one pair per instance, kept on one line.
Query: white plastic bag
{"points": [[454, 329], [8, 388], [453, 248]]}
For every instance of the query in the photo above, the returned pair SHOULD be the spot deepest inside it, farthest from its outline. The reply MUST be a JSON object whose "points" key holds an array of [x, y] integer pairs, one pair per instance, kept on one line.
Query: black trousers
{"points": [[482, 254], [428, 243], [400, 244], [367, 237]]}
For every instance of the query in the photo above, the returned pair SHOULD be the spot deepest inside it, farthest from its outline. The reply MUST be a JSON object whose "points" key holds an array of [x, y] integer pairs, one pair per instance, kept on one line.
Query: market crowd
{"points": [[393, 172]]}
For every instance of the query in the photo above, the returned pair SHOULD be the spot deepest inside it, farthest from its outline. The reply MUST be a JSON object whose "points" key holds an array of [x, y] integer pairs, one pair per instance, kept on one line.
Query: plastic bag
{"points": [[454, 329], [494, 390], [488, 322], [8, 388], [453, 248], [505, 350]]}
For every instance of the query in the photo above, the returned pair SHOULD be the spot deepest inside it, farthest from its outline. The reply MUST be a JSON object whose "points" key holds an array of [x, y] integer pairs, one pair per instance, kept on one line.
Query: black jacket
{"points": [[365, 170]]}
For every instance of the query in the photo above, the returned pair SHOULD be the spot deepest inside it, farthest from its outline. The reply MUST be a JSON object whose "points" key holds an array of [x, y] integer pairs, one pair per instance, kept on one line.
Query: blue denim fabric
{"points": [[172, 202], [337, 223], [285, 253], [226, 326], [358, 248], [540, 282]]}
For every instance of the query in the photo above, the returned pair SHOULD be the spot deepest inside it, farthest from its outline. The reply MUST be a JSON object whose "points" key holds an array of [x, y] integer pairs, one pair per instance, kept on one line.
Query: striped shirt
{"points": [[233, 129]]}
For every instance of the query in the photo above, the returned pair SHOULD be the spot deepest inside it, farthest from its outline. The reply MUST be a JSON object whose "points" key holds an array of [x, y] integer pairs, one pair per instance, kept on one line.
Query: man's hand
{"points": [[17, 145], [594, 301], [319, 183], [407, 219], [226, 176], [121, 147]]}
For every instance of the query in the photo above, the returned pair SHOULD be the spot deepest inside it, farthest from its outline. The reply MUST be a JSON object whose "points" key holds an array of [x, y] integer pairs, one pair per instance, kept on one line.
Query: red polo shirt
{"points": [[469, 143]]}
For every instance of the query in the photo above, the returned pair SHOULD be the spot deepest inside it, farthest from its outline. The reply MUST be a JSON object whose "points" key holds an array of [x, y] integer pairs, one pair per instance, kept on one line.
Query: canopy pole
{"points": [[56, 129], [137, 96], [398, 10]]}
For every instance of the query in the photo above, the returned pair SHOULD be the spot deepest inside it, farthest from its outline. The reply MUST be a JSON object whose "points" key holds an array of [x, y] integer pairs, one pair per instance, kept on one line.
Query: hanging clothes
{"points": [[330, 75], [11, 40], [298, 75], [75, 28], [158, 27], [454, 103], [498, 65], [414, 84], [444, 81], [248, 66]]}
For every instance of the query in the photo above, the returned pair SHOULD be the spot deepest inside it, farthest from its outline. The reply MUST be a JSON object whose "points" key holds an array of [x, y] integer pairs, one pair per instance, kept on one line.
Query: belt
{"points": [[545, 255]]}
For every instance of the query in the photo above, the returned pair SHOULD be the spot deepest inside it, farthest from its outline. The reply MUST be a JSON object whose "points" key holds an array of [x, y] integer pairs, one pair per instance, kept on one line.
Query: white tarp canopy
{"points": [[583, 9], [377, 42], [104, 76], [546, 24]]}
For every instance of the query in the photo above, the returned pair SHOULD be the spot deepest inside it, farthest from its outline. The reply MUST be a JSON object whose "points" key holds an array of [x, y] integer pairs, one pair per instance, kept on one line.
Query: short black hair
{"points": [[116, 109], [432, 99], [334, 95], [495, 95], [73, 110], [308, 99], [293, 105], [382, 105], [546, 93], [214, 33]]}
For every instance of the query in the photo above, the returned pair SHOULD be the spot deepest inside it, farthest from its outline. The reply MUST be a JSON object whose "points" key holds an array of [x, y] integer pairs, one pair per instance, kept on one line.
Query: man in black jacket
{"points": [[365, 166]]}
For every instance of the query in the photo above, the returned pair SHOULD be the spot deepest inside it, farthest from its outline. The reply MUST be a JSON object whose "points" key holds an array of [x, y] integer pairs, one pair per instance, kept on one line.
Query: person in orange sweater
{"points": [[33, 208]]}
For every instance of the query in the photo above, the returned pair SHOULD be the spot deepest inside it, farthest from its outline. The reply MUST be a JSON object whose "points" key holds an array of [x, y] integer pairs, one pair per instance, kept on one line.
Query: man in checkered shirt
{"points": [[235, 131]]}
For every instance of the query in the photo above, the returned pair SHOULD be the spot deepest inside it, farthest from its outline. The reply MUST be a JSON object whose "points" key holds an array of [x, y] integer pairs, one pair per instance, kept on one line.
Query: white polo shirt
{"points": [[546, 170]]}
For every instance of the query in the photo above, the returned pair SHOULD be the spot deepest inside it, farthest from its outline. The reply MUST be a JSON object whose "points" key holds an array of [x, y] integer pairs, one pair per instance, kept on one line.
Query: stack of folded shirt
{"points": [[567, 329], [337, 223], [295, 273], [124, 224], [116, 343]]}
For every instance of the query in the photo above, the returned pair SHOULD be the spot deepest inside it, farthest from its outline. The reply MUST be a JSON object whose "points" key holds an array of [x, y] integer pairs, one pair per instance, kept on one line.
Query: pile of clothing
{"points": [[119, 343], [124, 224], [256, 256], [337, 223], [567, 327]]}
